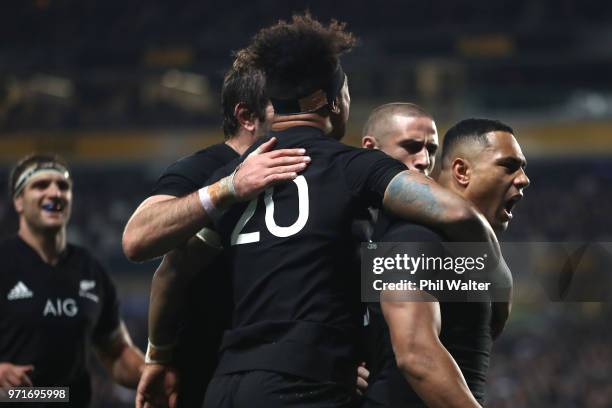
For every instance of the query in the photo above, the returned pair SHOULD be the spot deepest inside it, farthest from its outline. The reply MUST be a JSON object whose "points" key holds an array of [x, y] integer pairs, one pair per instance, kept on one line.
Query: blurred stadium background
{"points": [[122, 89]]}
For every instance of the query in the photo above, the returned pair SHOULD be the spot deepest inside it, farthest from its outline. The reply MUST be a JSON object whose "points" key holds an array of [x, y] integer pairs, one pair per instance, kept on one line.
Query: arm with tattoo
{"points": [[418, 198]]}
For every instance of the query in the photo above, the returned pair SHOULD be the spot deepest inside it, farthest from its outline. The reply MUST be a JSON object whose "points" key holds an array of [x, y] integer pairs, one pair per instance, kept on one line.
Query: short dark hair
{"points": [[382, 113], [300, 56], [28, 161], [471, 130], [242, 84]]}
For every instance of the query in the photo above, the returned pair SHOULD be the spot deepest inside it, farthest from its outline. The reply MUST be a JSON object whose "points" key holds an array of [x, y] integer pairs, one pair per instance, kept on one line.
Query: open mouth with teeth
{"points": [[510, 204], [54, 207]]}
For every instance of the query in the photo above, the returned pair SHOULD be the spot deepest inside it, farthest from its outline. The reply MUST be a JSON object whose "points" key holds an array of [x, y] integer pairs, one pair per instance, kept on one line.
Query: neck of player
{"points": [[48, 244], [241, 141], [282, 122]]}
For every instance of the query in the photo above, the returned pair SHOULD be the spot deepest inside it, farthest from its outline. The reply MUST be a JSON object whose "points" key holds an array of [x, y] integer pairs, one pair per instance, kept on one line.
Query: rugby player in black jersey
{"points": [[408, 133], [176, 211], [206, 305], [296, 313], [404, 131], [58, 302], [442, 349]]}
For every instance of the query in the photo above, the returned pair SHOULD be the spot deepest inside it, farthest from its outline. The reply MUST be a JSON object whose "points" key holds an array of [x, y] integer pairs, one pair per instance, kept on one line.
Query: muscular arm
{"points": [[122, 360], [159, 383], [418, 198], [162, 222], [421, 357], [170, 281]]}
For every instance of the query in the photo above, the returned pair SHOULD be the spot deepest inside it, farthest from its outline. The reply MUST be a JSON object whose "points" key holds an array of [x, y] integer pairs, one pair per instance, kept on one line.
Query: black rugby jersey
{"points": [[191, 172], [290, 250], [208, 309], [465, 332], [50, 316]]}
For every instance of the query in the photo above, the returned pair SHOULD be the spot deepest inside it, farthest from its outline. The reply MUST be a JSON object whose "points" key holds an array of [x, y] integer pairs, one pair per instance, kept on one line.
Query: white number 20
{"points": [[276, 230]]}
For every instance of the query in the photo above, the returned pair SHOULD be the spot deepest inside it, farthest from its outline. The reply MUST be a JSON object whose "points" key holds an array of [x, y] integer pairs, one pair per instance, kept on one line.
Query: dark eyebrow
{"points": [[41, 182], [511, 160]]}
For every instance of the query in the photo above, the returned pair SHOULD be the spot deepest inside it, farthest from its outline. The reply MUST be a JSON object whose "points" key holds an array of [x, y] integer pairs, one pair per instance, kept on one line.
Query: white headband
{"points": [[35, 170]]}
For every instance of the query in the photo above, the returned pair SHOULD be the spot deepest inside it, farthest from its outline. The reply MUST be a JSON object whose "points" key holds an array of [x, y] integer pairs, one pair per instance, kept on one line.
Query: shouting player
{"points": [[443, 348]]}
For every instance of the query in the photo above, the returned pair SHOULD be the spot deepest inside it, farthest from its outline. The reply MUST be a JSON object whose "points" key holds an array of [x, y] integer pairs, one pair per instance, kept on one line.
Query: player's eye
{"points": [[413, 147], [511, 167], [40, 185], [63, 185], [432, 149]]}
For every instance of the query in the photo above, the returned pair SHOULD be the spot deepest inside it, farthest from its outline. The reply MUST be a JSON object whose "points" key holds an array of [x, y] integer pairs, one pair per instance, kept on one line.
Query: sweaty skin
{"points": [[429, 368]]}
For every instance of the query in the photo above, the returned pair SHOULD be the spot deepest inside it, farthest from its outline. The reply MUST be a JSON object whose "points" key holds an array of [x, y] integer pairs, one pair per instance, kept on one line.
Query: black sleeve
{"points": [[224, 171], [392, 229], [179, 179], [368, 173], [108, 320], [422, 241]]}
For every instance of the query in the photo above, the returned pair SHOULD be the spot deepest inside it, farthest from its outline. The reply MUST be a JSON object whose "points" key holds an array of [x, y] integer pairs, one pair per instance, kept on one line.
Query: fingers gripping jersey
{"points": [[297, 304]]}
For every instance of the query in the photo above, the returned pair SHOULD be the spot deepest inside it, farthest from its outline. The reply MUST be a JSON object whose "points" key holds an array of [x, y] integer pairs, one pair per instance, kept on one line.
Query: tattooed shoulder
{"points": [[405, 190]]}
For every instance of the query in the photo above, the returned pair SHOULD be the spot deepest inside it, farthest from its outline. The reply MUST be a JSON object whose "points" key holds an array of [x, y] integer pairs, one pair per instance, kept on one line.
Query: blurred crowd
{"points": [[91, 64], [554, 356], [568, 200]]}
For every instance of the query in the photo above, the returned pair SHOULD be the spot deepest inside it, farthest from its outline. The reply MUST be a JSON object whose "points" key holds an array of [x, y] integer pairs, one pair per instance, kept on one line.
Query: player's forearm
{"points": [[166, 302], [127, 368], [123, 361], [435, 377], [159, 227], [172, 278]]}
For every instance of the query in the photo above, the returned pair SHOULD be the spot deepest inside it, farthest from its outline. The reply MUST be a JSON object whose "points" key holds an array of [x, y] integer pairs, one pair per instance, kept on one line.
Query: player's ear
{"points": [[461, 171], [18, 203], [335, 106], [245, 117], [369, 142]]}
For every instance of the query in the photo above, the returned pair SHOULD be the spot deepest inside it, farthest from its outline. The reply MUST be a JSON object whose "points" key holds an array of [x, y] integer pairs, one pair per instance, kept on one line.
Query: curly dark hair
{"points": [[300, 56]]}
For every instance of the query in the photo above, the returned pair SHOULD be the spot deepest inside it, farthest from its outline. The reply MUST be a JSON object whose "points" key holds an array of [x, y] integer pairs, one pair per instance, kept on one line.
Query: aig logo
{"points": [[61, 307]]}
